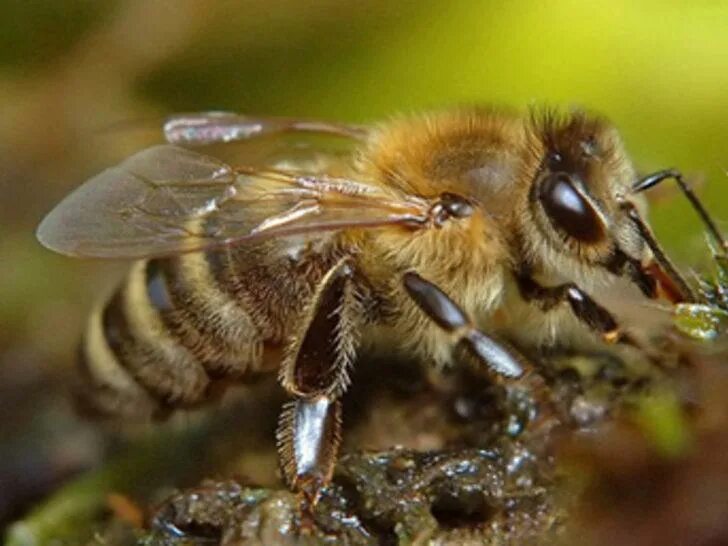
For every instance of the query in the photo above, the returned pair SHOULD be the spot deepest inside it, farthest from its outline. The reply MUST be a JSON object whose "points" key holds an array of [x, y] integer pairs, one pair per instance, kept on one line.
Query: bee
{"points": [[438, 235]]}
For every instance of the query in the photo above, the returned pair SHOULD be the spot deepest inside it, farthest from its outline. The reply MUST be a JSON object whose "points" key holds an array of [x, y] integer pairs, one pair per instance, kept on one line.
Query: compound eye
{"points": [[568, 210]]}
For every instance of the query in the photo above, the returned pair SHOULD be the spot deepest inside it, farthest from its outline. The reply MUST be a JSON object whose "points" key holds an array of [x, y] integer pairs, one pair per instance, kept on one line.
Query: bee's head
{"points": [[581, 181]]}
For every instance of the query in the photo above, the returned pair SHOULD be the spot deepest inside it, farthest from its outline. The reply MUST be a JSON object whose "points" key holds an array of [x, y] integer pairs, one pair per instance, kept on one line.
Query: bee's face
{"points": [[582, 174]]}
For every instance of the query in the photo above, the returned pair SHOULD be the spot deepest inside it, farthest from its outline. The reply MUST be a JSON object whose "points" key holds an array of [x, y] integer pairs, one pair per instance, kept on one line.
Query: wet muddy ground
{"points": [[617, 449]]}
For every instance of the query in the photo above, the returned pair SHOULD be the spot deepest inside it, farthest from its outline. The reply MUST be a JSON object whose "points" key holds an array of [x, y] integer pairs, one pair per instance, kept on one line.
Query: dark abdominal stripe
{"points": [[172, 326]]}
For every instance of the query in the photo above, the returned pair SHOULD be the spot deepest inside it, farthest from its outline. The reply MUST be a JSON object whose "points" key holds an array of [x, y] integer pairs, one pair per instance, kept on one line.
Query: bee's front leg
{"points": [[582, 305], [315, 371]]}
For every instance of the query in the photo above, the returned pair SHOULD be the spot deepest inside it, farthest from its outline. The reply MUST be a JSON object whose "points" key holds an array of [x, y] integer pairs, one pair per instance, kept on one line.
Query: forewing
{"points": [[168, 200]]}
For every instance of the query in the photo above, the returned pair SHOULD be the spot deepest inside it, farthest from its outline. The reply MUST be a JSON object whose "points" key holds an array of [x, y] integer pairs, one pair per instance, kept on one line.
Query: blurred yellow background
{"points": [[78, 78]]}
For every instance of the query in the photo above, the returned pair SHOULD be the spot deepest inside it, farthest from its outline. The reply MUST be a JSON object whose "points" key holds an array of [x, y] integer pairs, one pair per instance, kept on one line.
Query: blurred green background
{"points": [[82, 81]]}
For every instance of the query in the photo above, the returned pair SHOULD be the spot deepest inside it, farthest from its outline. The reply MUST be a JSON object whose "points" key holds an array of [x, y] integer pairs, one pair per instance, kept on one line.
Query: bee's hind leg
{"points": [[315, 371], [309, 434]]}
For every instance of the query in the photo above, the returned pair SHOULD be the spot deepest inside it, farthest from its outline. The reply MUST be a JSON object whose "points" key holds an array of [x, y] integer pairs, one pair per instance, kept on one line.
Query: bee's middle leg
{"points": [[493, 355], [448, 315], [315, 371]]}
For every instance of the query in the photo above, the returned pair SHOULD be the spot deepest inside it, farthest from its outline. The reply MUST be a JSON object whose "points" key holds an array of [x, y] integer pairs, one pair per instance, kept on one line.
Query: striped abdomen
{"points": [[177, 324]]}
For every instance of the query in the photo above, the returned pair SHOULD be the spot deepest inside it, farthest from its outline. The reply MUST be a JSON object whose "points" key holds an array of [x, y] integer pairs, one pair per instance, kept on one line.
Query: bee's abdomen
{"points": [[218, 325], [172, 327]]}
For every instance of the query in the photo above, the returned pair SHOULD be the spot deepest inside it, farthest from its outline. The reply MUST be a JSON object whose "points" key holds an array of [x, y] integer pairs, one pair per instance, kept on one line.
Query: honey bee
{"points": [[438, 235]]}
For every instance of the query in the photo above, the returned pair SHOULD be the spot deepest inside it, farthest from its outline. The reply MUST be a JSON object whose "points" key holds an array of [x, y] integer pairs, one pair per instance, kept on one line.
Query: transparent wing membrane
{"points": [[167, 200]]}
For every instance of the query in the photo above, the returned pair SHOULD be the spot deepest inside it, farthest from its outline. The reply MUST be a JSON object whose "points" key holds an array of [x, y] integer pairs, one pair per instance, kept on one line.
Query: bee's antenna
{"points": [[653, 179]]}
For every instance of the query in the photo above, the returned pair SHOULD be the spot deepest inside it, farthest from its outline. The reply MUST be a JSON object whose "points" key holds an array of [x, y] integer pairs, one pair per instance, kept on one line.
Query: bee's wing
{"points": [[203, 128], [167, 200]]}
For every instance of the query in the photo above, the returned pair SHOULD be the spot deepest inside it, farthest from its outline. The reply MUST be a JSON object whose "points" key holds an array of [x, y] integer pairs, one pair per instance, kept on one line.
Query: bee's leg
{"points": [[583, 306], [315, 371], [309, 434], [449, 316], [491, 354], [685, 292]]}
